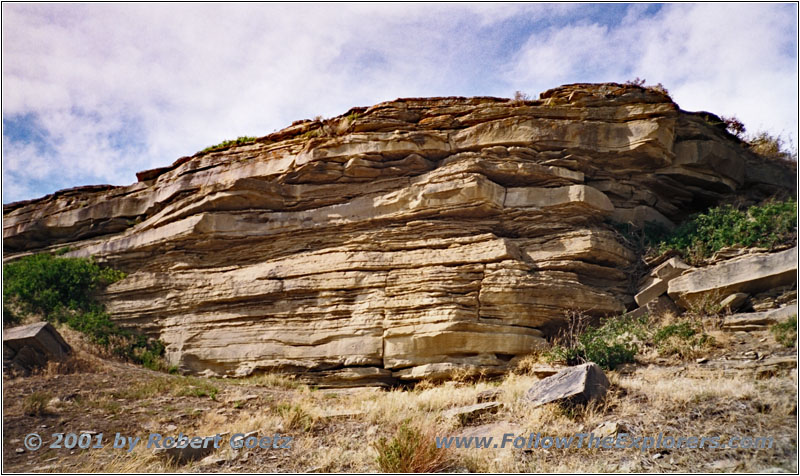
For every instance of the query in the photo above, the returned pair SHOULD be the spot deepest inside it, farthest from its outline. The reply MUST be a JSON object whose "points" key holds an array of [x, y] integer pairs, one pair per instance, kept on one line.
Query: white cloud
{"points": [[117, 88], [730, 59]]}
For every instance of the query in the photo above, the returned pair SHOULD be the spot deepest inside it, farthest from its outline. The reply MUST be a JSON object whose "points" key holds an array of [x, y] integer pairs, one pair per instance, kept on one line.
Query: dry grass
{"points": [[368, 430], [35, 404], [412, 450], [296, 417], [76, 362], [706, 305], [271, 380], [175, 386], [140, 460], [650, 401], [394, 430]]}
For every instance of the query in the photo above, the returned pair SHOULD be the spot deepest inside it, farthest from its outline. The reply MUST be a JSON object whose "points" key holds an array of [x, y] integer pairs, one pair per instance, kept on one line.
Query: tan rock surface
{"points": [[750, 273], [410, 239]]}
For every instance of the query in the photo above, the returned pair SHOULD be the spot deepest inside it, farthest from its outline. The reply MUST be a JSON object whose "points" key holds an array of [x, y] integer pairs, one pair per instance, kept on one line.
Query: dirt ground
{"points": [[746, 384]]}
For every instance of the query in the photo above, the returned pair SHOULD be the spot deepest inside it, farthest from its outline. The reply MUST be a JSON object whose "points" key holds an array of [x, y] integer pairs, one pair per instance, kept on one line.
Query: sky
{"points": [[93, 93]]}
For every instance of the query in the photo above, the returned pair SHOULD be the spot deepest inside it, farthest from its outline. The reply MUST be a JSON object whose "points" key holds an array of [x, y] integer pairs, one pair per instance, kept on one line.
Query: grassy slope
{"points": [[333, 428]]}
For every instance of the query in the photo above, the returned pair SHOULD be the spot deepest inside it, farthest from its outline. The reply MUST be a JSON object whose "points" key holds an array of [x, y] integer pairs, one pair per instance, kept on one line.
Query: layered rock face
{"points": [[410, 239]]}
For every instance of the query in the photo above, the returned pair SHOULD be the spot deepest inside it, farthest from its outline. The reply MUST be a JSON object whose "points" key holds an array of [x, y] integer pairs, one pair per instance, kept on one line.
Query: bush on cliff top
{"points": [[772, 147], [241, 140], [63, 290]]}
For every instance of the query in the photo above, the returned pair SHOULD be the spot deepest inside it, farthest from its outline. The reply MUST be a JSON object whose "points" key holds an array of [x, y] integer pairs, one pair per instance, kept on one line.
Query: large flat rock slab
{"points": [[33, 345], [750, 274], [578, 384], [749, 321]]}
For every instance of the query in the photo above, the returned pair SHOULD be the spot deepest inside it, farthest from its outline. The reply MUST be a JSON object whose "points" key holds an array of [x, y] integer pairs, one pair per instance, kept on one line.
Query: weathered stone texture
{"points": [[750, 273], [408, 240], [578, 384], [32, 345]]}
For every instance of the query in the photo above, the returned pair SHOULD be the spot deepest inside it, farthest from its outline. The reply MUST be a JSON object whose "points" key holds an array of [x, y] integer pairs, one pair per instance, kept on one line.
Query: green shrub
{"points": [[613, 343], [684, 330], [63, 290], [734, 125], [768, 225], [642, 83], [619, 339], [47, 285], [195, 387], [310, 134], [683, 339], [241, 140], [520, 97], [786, 332], [410, 451]]}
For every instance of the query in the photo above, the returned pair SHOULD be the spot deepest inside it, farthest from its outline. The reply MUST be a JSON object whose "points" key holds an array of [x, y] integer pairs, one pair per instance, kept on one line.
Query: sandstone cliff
{"points": [[403, 240]]}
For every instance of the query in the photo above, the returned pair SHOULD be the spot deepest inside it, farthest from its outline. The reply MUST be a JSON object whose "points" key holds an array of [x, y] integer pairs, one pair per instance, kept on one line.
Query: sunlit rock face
{"points": [[410, 239]]}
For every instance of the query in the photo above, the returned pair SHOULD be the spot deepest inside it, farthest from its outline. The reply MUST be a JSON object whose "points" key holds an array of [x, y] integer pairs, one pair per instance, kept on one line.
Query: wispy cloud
{"points": [[95, 92], [730, 59]]}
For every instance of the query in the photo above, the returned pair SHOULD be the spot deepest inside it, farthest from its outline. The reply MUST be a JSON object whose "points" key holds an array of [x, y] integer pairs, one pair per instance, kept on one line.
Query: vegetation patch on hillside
{"points": [[609, 345], [62, 290], [241, 140], [786, 332], [618, 340], [768, 225]]}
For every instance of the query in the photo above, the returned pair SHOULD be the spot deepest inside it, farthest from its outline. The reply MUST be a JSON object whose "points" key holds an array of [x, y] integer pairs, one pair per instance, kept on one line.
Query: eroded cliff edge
{"points": [[404, 240]]}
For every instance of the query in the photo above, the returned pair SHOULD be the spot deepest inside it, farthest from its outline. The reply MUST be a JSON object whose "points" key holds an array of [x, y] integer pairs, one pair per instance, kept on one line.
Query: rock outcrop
{"points": [[412, 238]]}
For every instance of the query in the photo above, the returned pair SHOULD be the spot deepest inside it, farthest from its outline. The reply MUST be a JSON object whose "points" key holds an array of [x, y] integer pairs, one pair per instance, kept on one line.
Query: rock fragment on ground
{"points": [[750, 273], [33, 345], [578, 384], [469, 413]]}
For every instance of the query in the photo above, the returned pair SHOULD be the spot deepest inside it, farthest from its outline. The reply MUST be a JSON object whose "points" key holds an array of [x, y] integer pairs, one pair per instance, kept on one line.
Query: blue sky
{"points": [[93, 93]]}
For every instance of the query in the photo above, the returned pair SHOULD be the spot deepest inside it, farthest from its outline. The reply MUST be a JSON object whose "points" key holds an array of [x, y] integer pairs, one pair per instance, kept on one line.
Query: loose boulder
{"points": [[470, 413], [489, 395], [579, 384], [734, 301], [752, 321], [31, 346], [656, 285], [658, 306], [752, 273]]}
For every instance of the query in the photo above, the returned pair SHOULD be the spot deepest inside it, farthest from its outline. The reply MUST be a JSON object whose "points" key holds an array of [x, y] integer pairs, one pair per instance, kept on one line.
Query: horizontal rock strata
{"points": [[414, 238]]}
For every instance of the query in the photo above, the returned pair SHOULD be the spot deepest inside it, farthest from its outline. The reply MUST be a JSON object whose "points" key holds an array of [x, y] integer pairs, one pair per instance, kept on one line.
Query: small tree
{"points": [[520, 97], [636, 82], [734, 125]]}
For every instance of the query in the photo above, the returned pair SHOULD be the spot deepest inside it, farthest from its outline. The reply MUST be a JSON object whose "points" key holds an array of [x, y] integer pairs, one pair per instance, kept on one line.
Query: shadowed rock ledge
{"points": [[410, 239]]}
